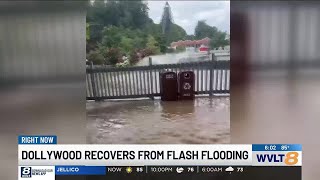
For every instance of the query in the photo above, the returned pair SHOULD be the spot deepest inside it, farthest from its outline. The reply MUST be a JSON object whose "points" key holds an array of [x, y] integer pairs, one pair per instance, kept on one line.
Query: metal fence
{"points": [[211, 77]]}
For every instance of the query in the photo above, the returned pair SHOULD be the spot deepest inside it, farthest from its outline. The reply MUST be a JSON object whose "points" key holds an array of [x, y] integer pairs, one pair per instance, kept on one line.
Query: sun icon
{"points": [[129, 170]]}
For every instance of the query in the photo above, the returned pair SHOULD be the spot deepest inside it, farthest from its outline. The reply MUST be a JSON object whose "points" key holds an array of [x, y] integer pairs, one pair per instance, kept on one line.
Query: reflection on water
{"points": [[205, 120]]}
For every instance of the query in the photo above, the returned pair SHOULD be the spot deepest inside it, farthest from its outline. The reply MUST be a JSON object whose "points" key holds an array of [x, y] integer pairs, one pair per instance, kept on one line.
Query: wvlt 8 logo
{"points": [[26, 172], [289, 158]]}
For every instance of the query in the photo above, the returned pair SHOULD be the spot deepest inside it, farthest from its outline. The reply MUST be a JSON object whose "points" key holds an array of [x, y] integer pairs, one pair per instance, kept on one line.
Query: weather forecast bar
{"points": [[190, 172]]}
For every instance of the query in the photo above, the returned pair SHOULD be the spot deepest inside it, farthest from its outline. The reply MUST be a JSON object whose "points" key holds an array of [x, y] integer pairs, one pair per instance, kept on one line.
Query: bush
{"points": [[113, 56], [95, 57], [163, 49], [134, 57], [152, 45], [147, 52]]}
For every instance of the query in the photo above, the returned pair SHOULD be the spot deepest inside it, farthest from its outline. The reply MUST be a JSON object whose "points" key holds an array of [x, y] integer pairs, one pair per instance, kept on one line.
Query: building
{"points": [[190, 43]]}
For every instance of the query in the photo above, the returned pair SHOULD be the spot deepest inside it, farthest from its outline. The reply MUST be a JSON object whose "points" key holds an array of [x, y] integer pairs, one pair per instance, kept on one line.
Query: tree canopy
{"points": [[218, 38], [124, 28]]}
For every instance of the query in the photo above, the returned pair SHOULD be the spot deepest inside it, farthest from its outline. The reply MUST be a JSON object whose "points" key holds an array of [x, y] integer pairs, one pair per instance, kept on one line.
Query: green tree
{"points": [[203, 30], [124, 27], [134, 14], [130, 14], [153, 45], [95, 57], [126, 44], [111, 36], [133, 57], [176, 33], [153, 29], [113, 56], [190, 37], [218, 38], [161, 42]]}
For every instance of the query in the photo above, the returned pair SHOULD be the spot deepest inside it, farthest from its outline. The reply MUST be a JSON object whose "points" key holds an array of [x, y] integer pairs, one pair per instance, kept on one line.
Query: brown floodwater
{"points": [[202, 121]]}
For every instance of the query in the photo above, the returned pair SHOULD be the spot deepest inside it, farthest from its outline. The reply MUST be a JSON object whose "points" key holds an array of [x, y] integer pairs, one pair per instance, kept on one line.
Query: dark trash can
{"points": [[186, 85], [169, 86]]}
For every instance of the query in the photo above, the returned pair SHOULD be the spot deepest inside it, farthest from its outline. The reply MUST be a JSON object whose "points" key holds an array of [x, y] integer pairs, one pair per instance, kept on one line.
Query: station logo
{"points": [[30, 172], [26, 172], [289, 158]]}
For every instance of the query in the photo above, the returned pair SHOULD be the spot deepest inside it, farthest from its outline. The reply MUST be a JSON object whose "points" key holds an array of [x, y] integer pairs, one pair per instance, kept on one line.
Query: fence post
{"points": [[212, 66], [93, 82], [151, 79]]}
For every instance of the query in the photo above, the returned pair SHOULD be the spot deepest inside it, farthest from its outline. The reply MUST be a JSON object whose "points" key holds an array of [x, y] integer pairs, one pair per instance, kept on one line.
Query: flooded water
{"points": [[189, 55], [203, 121], [171, 58]]}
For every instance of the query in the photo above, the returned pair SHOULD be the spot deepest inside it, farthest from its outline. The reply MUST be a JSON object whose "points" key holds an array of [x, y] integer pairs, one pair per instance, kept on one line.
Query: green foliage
{"points": [[218, 38], [153, 29], [95, 57], [111, 23], [190, 37], [113, 56], [87, 31], [203, 30], [111, 36], [122, 38], [153, 45], [133, 57], [116, 28], [176, 33], [126, 44], [129, 14]]}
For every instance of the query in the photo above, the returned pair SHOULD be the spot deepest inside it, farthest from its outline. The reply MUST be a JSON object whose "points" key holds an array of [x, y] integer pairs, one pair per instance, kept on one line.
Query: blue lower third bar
{"points": [[276, 147], [80, 170]]}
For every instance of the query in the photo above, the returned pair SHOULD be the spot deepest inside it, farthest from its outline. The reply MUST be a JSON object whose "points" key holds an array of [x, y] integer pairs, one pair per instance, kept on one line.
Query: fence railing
{"points": [[211, 77]]}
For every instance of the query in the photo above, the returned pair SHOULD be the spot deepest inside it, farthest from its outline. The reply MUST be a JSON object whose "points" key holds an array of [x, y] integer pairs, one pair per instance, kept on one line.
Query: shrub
{"points": [[113, 56], [148, 52], [95, 57], [134, 57]]}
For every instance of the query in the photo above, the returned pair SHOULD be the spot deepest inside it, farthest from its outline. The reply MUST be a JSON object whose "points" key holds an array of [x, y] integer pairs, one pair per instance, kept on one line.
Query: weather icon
{"points": [[229, 169], [129, 170], [179, 170]]}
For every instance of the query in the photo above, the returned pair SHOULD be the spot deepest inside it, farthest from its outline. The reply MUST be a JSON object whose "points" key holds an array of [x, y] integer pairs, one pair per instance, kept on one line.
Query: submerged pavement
{"points": [[203, 121]]}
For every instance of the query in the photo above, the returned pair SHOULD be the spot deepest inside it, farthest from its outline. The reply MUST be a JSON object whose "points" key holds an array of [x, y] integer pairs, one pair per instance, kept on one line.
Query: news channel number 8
{"points": [[291, 158], [25, 172]]}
